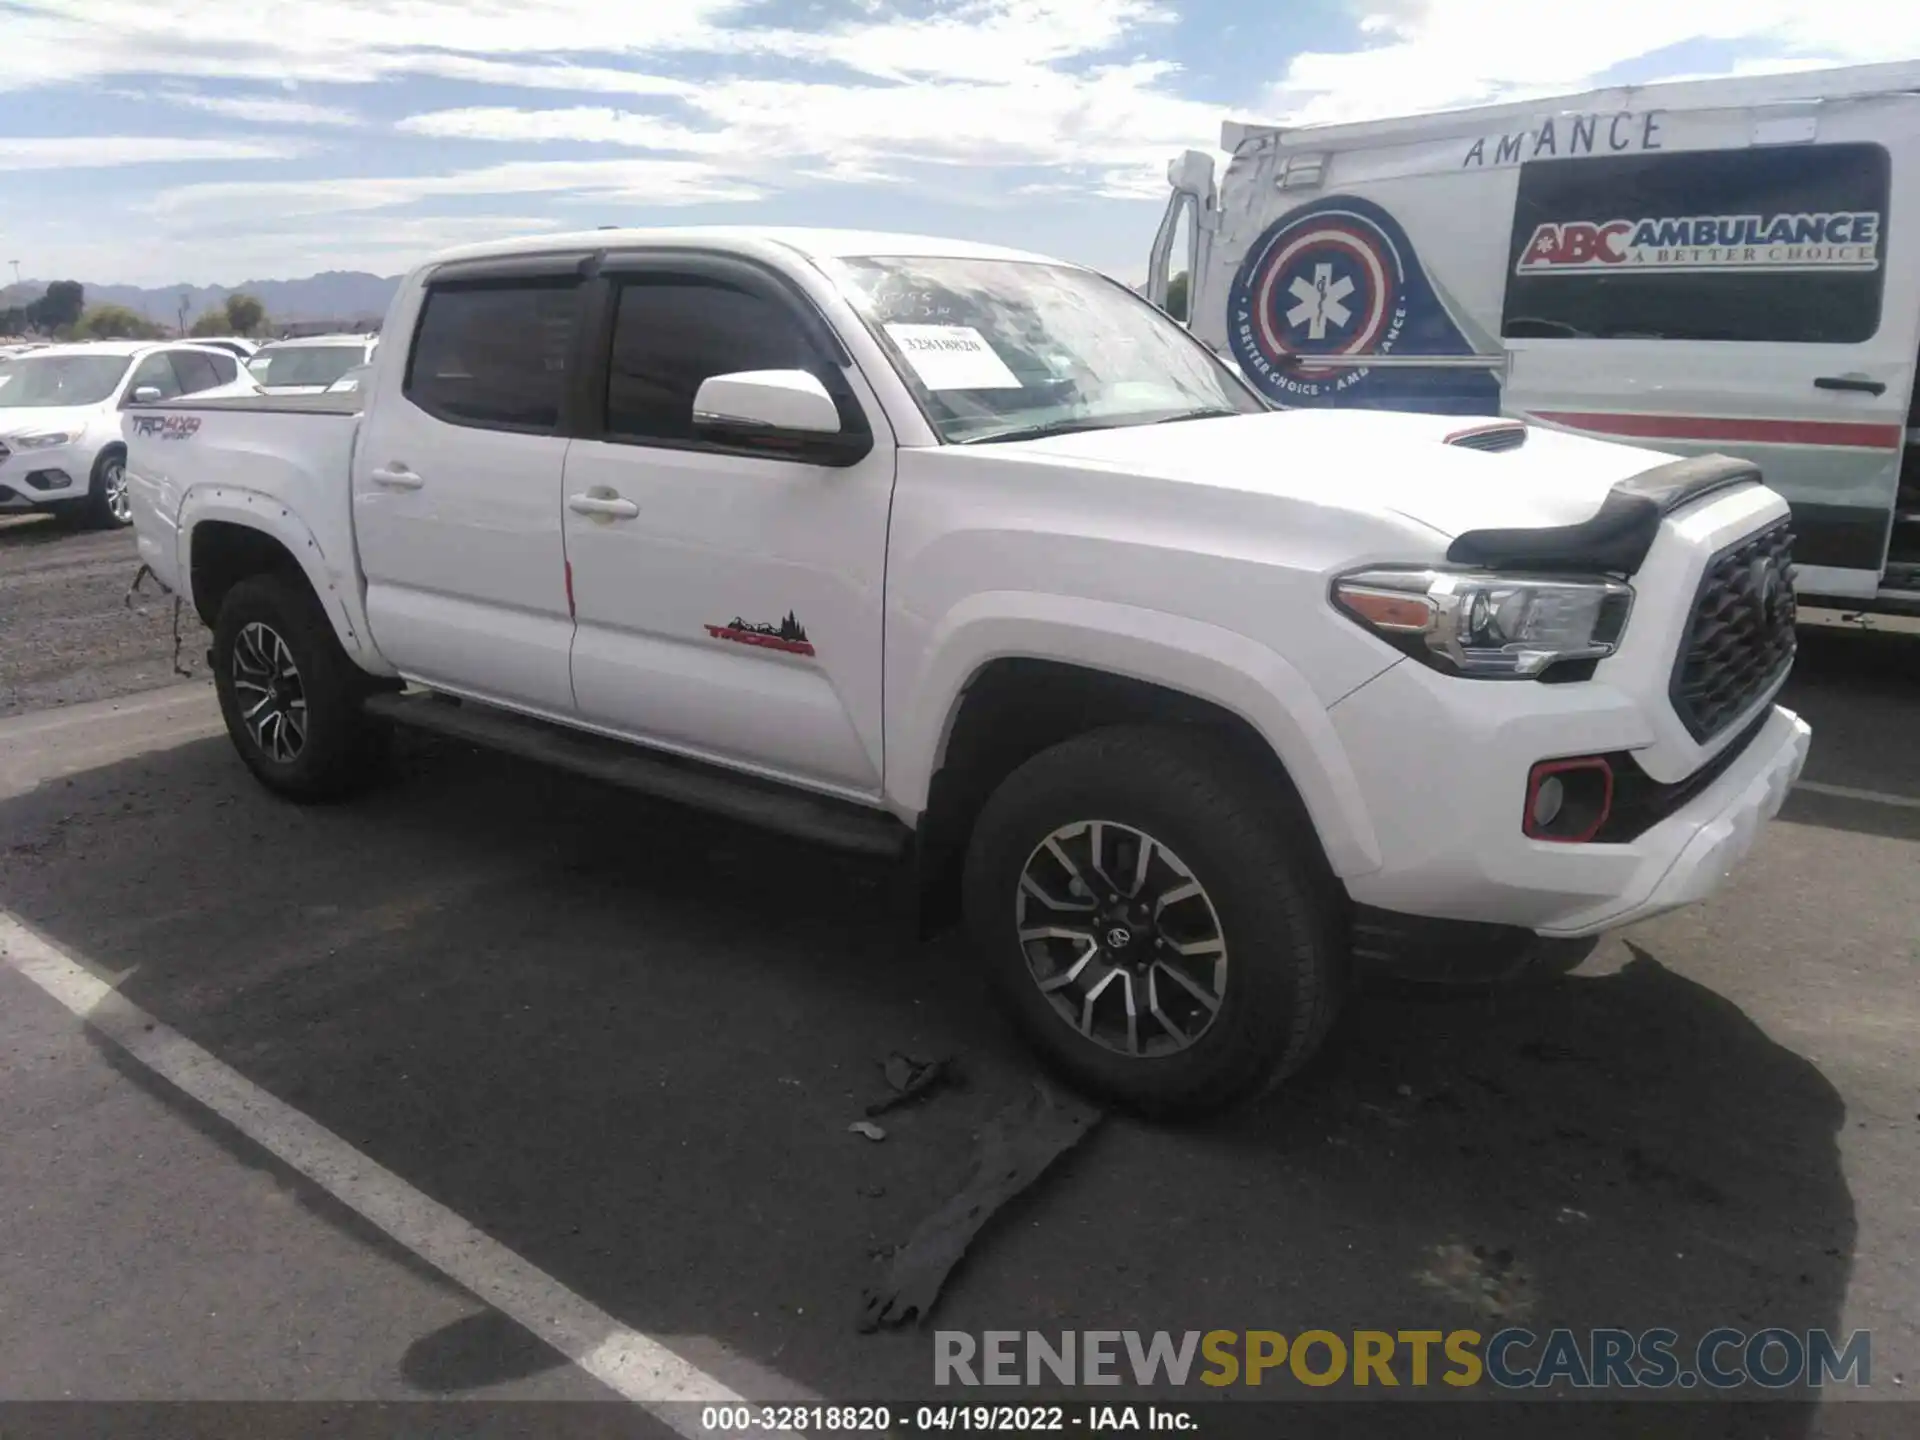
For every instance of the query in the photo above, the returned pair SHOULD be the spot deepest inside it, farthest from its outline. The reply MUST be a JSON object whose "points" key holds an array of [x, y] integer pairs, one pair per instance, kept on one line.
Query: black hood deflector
{"points": [[1616, 540]]}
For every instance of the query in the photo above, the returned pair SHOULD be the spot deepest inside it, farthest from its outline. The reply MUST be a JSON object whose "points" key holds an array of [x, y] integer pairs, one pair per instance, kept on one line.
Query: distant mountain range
{"points": [[344, 295]]}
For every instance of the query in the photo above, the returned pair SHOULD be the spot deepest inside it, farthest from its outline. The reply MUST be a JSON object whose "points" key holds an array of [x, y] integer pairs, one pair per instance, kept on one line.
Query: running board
{"points": [[745, 798]]}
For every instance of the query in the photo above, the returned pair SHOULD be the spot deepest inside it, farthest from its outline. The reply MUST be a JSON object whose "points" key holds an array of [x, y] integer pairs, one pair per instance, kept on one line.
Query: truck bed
{"points": [[191, 459], [345, 402]]}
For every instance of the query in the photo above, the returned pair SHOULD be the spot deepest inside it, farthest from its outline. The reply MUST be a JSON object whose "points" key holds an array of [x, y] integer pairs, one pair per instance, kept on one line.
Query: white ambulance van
{"points": [[1725, 265]]}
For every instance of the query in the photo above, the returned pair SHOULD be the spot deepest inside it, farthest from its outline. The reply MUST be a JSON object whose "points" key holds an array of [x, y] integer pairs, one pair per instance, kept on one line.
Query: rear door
{"points": [[1759, 301], [457, 487]]}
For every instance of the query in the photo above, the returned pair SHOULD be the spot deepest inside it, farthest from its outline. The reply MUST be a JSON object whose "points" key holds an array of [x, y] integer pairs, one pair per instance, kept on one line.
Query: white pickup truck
{"points": [[974, 558]]}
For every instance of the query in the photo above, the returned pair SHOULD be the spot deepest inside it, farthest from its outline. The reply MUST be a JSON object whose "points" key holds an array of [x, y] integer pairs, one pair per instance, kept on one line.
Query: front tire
{"points": [[107, 506], [1157, 918], [289, 694]]}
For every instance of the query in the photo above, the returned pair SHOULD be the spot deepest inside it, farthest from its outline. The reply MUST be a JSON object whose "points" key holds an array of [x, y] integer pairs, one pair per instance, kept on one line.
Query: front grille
{"points": [[1740, 639]]}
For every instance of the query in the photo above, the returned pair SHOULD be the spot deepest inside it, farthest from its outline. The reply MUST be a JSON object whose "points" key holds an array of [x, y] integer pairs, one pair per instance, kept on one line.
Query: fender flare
{"points": [[337, 593], [1205, 661]]}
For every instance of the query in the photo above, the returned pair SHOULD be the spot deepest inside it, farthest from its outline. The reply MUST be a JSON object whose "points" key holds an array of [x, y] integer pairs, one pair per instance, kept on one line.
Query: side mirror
{"points": [[790, 400], [146, 395], [777, 412]]}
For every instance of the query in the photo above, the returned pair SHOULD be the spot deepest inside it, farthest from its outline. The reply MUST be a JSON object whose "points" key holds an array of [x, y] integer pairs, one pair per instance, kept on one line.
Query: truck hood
{"points": [[1369, 460]]}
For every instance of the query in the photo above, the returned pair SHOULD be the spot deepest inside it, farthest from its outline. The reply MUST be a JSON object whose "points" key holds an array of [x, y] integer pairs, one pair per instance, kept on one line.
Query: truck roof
{"points": [[1834, 83], [746, 239]]}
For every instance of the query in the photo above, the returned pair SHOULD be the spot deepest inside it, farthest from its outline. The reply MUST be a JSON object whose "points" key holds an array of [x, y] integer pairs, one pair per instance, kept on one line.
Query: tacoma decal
{"points": [[166, 427], [789, 635]]}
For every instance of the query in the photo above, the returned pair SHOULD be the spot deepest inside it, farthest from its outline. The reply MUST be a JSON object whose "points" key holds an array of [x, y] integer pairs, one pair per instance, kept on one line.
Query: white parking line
{"points": [[45, 745], [633, 1365], [1847, 792]]}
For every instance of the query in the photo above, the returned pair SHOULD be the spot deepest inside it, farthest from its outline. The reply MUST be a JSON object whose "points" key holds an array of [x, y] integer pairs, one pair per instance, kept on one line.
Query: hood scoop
{"points": [[1495, 436]]}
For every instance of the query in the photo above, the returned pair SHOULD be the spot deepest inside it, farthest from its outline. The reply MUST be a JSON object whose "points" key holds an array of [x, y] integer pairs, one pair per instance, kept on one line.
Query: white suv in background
{"points": [[60, 446], [309, 365]]}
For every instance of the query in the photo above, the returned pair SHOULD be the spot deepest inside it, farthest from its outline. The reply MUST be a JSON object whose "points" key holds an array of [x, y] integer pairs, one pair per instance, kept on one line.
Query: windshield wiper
{"points": [[1074, 427], [1204, 412], [1038, 432]]}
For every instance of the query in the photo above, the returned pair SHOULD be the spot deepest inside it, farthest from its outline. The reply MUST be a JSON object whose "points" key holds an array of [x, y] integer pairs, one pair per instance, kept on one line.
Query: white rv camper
{"points": [[1727, 265]]}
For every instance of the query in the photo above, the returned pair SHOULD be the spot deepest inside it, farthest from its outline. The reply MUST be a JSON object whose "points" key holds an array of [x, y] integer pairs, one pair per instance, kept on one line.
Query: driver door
{"points": [[727, 603]]}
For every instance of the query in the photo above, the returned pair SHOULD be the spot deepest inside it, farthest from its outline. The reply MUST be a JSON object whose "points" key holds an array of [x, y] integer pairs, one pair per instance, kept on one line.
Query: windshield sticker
{"points": [[952, 357], [789, 635], [1828, 240]]}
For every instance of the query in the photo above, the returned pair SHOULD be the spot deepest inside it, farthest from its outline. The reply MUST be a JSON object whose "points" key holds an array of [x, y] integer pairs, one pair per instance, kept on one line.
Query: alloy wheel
{"points": [[119, 504], [268, 688], [1122, 940]]}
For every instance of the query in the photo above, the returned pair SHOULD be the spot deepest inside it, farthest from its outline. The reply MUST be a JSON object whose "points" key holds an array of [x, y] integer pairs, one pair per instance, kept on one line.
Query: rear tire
{"points": [[1243, 906], [289, 694]]}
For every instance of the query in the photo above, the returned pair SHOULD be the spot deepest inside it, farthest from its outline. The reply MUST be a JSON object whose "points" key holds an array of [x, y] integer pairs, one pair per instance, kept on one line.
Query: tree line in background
{"points": [[63, 314]]}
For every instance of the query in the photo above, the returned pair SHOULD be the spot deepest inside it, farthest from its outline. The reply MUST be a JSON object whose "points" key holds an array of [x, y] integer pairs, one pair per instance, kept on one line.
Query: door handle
{"points": [[397, 477], [1850, 382], [612, 507]]}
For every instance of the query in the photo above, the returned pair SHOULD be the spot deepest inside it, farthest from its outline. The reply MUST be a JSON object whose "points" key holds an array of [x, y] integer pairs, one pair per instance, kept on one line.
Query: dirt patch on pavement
{"points": [[66, 633]]}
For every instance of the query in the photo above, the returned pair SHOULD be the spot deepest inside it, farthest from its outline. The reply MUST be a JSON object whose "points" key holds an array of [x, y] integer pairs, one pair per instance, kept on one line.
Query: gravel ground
{"points": [[66, 632]]}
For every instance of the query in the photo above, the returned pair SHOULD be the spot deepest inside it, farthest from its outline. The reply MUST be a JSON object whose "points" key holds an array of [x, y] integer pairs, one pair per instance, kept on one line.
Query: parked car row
{"points": [[60, 442], [310, 365]]}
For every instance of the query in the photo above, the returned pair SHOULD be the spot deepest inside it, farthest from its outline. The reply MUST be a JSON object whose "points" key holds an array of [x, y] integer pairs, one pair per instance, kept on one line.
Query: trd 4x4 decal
{"points": [[789, 635]]}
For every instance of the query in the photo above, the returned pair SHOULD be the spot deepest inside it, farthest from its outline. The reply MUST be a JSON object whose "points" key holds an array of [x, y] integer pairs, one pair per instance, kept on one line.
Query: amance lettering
{"points": [[1561, 136]]}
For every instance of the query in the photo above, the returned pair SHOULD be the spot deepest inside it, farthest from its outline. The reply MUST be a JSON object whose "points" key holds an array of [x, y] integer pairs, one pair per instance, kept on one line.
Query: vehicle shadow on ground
{"points": [[1858, 691], [31, 529], [627, 1043]]}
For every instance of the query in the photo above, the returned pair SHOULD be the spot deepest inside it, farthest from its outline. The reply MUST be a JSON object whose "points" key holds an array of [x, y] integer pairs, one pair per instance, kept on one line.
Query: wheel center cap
{"points": [[1119, 937]]}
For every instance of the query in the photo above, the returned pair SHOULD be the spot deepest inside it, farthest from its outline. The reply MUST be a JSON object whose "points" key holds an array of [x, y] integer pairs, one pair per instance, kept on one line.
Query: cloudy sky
{"points": [[210, 141]]}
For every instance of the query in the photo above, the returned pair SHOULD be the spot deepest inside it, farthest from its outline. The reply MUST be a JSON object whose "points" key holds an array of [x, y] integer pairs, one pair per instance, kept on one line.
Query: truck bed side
{"points": [[279, 466]]}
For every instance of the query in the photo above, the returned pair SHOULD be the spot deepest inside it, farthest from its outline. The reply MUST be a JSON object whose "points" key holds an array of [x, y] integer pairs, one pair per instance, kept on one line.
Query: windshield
{"points": [[304, 364], [1008, 349], [57, 380]]}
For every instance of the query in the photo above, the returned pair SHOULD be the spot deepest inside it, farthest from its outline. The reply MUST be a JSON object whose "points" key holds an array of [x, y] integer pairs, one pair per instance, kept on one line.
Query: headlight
{"points": [[1488, 626], [46, 439]]}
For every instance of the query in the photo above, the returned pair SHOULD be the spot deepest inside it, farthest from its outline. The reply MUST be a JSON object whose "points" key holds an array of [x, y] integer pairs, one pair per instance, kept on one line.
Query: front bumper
{"points": [[37, 477], [1446, 786], [1712, 834]]}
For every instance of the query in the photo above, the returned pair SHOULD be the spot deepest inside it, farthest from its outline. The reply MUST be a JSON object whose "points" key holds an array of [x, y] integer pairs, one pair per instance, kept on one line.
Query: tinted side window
{"points": [[1779, 243], [155, 371], [671, 334], [495, 354], [194, 371], [226, 368]]}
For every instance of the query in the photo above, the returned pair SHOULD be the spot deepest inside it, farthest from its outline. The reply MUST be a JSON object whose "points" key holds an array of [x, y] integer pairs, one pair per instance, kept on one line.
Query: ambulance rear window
{"points": [[1779, 244]]}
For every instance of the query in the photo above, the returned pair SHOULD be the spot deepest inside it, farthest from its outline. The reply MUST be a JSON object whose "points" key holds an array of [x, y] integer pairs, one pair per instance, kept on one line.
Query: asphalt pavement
{"points": [[609, 1051]]}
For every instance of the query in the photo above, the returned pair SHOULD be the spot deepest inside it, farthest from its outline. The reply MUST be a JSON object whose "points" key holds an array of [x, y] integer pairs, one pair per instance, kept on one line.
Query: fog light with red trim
{"points": [[1568, 800]]}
